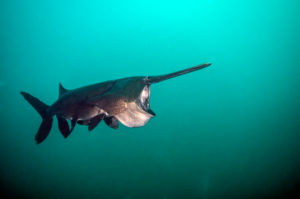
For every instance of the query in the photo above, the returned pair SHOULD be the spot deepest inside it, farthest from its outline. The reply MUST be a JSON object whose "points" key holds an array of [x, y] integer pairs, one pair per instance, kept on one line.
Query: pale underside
{"points": [[134, 115]]}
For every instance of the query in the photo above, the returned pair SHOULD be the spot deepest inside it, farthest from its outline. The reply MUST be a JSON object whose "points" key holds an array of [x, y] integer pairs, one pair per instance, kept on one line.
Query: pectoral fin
{"points": [[112, 122]]}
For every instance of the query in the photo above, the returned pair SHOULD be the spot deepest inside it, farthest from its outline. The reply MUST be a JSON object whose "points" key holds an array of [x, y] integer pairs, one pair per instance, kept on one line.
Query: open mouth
{"points": [[143, 100]]}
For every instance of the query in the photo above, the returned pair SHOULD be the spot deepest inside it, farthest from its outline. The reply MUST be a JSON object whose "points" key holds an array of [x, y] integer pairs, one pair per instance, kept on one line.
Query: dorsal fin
{"points": [[62, 90]]}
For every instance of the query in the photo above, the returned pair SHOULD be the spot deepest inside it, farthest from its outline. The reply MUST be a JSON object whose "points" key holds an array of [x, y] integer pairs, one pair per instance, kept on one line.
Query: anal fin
{"points": [[63, 126]]}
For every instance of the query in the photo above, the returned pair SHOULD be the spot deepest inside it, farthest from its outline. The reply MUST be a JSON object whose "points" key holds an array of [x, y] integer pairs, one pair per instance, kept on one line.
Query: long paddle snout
{"points": [[156, 79]]}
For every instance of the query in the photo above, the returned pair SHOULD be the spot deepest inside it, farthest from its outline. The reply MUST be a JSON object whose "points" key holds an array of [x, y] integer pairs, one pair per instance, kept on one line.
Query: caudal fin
{"points": [[41, 108], [155, 79]]}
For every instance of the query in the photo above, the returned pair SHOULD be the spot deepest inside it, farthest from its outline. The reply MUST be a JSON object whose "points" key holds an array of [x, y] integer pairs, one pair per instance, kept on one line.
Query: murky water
{"points": [[228, 131]]}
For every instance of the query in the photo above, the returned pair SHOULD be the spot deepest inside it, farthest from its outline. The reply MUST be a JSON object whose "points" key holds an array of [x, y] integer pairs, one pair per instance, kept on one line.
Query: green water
{"points": [[227, 131]]}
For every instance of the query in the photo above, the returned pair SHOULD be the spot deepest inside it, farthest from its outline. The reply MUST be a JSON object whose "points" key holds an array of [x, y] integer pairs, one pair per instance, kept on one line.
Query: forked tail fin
{"points": [[42, 109], [155, 79]]}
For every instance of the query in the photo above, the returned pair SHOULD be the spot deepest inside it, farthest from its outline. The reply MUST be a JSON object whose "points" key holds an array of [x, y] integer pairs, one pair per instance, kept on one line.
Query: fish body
{"points": [[123, 100]]}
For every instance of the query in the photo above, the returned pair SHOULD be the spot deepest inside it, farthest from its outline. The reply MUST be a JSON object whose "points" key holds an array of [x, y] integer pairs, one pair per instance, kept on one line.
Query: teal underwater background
{"points": [[228, 131]]}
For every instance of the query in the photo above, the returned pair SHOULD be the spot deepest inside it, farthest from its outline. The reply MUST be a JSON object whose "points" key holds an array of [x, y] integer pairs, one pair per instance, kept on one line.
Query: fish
{"points": [[124, 100]]}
